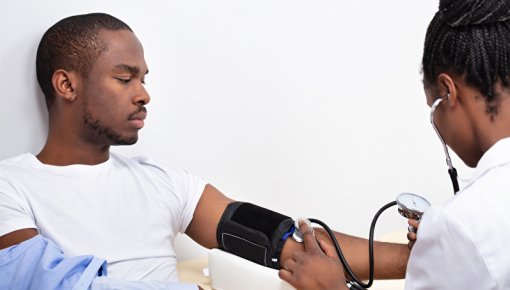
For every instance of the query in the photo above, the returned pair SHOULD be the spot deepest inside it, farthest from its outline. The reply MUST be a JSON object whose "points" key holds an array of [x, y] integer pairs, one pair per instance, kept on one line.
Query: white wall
{"points": [[311, 108]]}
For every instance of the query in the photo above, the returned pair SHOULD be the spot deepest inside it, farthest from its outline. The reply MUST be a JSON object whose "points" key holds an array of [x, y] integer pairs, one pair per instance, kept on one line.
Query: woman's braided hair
{"points": [[470, 38]]}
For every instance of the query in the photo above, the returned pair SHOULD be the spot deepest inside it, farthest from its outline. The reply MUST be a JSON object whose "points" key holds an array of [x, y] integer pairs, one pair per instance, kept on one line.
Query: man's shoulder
{"points": [[139, 160], [149, 164], [16, 161], [13, 169]]}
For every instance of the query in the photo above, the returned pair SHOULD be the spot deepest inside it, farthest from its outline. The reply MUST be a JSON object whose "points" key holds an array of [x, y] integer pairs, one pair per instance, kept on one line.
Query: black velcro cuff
{"points": [[253, 233]]}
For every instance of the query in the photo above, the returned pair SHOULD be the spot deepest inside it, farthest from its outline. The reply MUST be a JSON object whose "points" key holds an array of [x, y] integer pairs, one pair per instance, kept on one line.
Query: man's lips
{"points": [[138, 116], [136, 119]]}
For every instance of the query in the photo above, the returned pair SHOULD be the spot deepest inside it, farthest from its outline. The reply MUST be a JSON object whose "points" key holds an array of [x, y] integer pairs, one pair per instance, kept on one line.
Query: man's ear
{"points": [[65, 84], [447, 88]]}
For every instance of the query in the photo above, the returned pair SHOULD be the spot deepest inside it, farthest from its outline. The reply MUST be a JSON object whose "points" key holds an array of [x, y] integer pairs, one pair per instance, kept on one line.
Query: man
{"points": [[89, 201]]}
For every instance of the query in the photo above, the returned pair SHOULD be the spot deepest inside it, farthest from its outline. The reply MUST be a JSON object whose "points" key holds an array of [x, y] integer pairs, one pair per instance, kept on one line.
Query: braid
{"points": [[470, 38], [481, 77]]}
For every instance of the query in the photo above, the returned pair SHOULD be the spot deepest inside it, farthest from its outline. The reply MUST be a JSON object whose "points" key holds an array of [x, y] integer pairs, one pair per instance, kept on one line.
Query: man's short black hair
{"points": [[72, 44]]}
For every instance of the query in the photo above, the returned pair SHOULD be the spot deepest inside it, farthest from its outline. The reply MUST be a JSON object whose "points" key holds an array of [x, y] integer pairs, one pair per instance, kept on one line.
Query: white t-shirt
{"points": [[464, 244], [127, 211]]}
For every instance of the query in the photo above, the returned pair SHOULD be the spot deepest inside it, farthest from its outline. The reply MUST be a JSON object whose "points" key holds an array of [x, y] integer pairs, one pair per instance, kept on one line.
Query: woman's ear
{"points": [[447, 88], [64, 84]]}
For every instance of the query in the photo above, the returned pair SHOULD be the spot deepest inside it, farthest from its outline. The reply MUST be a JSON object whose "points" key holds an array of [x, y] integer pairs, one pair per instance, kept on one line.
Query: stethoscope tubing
{"points": [[452, 172], [356, 283]]}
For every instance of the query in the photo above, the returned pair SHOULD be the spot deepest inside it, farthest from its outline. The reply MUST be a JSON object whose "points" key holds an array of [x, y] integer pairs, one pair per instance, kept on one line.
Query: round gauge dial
{"points": [[411, 206]]}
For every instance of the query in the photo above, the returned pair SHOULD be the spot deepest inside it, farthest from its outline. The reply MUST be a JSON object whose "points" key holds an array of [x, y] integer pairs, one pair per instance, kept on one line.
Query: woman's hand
{"points": [[318, 268], [411, 235]]}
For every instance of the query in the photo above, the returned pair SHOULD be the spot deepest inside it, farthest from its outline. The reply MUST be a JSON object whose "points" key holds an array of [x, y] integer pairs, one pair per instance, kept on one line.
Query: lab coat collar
{"points": [[497, 155]]}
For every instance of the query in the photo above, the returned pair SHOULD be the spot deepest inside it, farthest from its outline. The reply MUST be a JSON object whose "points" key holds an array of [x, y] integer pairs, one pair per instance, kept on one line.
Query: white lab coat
{"points": [[464, 244]]}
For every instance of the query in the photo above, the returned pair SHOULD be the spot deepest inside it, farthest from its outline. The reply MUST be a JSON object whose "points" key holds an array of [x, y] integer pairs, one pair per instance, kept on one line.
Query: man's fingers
{"points": [[308, 237]]}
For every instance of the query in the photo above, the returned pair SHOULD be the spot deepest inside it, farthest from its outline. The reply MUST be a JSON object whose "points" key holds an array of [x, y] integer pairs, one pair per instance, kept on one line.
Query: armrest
{"points": [[229, 272]]}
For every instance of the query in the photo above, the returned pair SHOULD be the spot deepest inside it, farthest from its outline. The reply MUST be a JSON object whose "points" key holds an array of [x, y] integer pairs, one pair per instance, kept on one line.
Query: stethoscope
{"points": [[410, 206], [451, 170]]}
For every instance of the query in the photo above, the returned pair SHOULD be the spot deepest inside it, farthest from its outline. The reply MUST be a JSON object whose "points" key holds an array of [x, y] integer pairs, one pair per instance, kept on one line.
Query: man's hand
{"points": [[318, 268]]}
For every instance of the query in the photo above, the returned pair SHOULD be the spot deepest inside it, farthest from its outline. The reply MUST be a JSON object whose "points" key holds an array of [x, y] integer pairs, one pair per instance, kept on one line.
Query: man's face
{"points": [[113, 95]]}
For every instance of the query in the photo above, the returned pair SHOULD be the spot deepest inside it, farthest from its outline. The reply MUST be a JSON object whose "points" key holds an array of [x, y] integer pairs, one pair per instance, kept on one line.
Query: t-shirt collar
{"points": [[34, 161]]}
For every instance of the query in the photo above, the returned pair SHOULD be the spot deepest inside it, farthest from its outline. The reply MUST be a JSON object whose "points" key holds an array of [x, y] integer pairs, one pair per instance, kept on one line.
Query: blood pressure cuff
{"points": [[254, 233]]}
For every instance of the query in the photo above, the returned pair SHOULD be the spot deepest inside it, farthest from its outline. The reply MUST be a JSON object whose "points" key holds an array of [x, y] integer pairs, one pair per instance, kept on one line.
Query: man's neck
{"points": [[61, 156]]}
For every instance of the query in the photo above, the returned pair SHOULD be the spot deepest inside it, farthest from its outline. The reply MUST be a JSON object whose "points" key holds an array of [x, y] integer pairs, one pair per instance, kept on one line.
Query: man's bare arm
{"points": [[206, 217], [390, 259], [16, 237]]}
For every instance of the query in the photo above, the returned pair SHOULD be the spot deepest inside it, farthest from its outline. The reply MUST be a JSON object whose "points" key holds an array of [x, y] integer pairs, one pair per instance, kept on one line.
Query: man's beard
{"points": [[98, 133]]}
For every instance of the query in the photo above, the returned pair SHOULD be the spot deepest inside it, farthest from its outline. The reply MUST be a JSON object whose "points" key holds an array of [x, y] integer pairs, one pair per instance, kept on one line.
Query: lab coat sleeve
{"points": [[38, 263], [445, 256]]}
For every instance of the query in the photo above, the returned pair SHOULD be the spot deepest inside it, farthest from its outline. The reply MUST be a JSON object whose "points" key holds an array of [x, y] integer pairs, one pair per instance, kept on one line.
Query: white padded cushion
{"points": [[229, 272]]}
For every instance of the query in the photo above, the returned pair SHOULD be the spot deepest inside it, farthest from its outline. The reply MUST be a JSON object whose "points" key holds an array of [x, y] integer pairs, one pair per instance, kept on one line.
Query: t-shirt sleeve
{"points": [[191, 188], [15, 213], [445, 256], [185, 187]]}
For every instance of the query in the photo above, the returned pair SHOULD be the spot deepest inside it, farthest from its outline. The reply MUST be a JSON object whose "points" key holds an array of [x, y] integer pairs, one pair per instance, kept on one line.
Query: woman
{"points": [[463, 243]]}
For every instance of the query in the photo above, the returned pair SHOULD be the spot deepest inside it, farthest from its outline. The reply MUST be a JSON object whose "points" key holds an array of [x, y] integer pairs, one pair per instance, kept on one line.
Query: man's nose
{"points": [[142, 97]]}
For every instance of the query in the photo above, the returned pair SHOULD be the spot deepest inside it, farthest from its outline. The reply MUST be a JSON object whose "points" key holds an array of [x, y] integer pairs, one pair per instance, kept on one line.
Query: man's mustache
{"points": [[141, 109]]}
